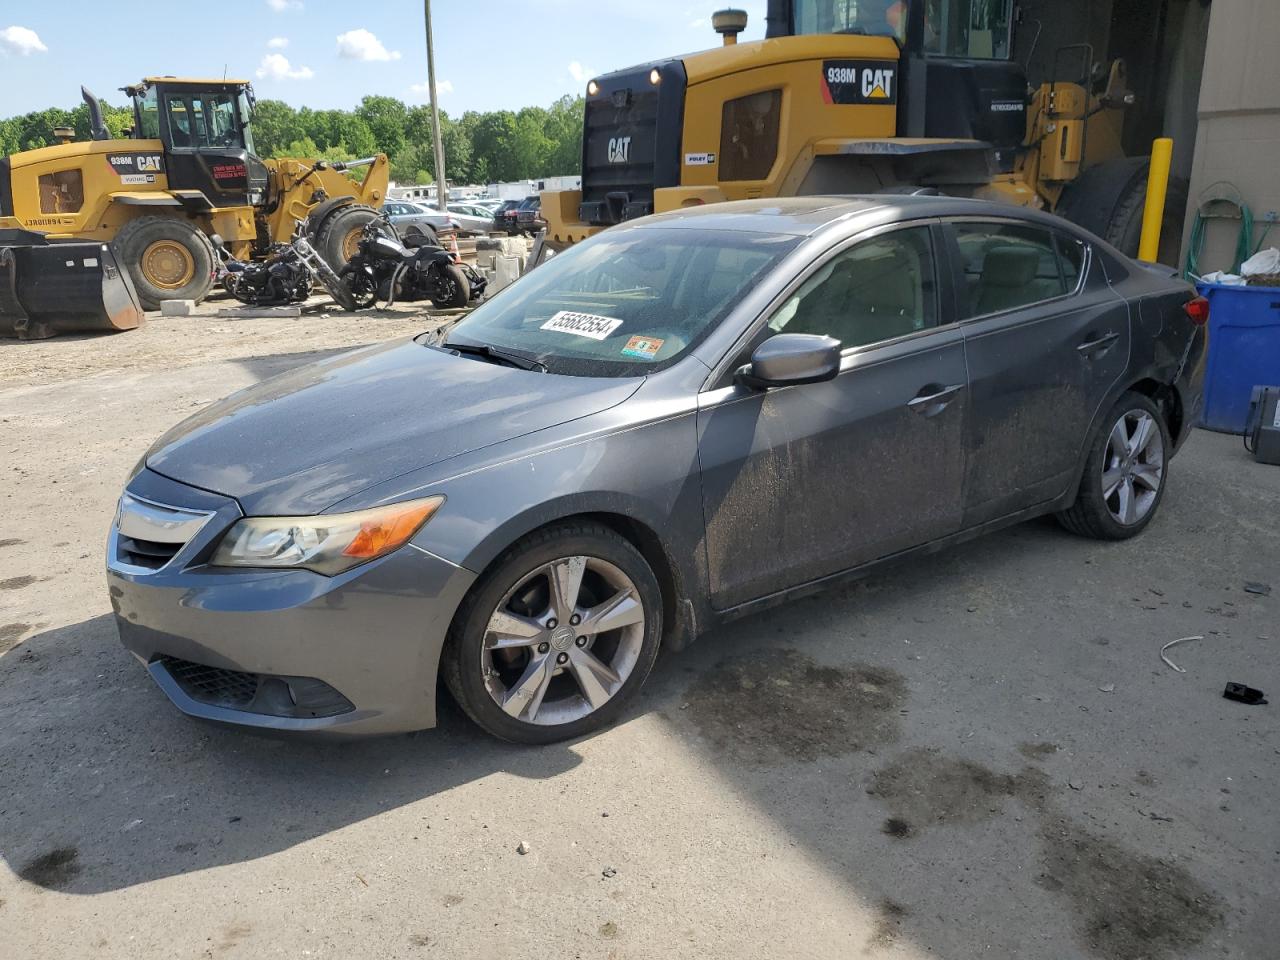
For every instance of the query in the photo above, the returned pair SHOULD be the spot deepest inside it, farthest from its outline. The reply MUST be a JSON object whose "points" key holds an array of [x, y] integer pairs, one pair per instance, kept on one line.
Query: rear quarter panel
{"points": [[1167, 347]]}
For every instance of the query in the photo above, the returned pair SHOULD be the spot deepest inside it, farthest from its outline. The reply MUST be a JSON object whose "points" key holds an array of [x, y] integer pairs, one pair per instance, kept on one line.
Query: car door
{"points": [[1046, 339], [802, 482]]}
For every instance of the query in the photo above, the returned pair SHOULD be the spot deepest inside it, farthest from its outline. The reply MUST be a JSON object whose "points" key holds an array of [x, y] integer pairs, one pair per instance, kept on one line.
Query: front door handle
{"points": [[932, 403], [1093, 348]]}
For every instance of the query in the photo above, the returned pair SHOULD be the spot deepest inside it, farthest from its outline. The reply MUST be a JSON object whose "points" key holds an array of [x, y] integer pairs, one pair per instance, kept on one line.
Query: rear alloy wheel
{"points": [[1124, 478], [558, 638]]}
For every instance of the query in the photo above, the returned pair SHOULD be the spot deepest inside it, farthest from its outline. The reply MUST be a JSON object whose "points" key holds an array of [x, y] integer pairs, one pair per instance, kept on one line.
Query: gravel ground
{"points": [[979, 754]]}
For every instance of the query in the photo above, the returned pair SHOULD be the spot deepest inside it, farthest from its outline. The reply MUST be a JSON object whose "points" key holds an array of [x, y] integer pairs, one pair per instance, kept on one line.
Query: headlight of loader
{"points": [[327, 544]]}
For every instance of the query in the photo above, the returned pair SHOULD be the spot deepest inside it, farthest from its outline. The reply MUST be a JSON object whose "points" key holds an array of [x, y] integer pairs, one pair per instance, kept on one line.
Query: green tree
{"points": [[386, 118], [275, 124]]}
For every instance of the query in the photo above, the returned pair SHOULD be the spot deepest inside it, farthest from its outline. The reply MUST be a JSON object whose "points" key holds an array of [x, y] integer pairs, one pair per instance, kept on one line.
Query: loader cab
{"points": [[206, 128], [957, 77]]}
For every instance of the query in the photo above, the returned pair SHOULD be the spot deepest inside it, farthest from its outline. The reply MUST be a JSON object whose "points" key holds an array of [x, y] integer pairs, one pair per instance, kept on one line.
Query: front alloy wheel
{"points": [[563, 641], [555, 639]]}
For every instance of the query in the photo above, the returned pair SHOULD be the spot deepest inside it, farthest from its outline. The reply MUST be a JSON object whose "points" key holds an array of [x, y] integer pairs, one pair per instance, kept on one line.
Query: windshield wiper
{"points": [[518, 360]]}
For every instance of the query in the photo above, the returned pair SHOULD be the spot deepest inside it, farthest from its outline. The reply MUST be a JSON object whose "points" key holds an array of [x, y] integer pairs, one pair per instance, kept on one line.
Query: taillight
{"points": [[1198, 311]]}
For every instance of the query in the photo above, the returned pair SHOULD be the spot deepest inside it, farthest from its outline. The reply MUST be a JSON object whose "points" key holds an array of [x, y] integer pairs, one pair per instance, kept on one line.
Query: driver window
{"points": [[876, 290]]}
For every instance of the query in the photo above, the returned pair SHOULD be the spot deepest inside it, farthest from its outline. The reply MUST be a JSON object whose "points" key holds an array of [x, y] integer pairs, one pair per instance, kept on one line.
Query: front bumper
{"points": [[285, 649]]}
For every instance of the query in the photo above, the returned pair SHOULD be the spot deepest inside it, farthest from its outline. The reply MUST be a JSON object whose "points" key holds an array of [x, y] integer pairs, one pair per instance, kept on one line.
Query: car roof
{"points": [[807, 216]]}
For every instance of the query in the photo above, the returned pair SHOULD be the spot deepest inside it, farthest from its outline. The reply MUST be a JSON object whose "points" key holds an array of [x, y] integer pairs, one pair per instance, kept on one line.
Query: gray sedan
{"points": [[684, 419], [472, 217], [417, 219]]}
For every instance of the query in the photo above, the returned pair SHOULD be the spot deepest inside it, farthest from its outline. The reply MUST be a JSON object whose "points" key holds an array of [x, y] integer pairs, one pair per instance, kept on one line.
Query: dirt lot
{"points": [[976, 755]]}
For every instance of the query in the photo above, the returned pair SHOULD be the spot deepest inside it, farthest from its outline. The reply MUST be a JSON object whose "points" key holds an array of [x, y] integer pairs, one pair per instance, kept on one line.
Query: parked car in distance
{"points": [[504, 218], [471, 218], [529, 215], [413, 219], [684, 419]]}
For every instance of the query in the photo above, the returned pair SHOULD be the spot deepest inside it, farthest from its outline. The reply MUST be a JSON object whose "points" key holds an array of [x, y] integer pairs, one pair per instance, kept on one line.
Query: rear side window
{"points": [[1007, 266], [62, 192], [749, 136]]}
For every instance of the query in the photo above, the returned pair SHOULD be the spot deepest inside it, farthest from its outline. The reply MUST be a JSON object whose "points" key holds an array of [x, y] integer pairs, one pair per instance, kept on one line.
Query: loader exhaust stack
{"points": [[51, 288]]}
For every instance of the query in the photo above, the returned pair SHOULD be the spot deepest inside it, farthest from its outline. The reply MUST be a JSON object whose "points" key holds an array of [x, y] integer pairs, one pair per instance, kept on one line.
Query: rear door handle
{"points": [[931, 404], [1092, 348]]}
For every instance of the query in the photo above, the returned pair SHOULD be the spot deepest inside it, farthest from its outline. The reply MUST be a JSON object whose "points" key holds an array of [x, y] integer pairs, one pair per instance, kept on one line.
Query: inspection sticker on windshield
{"points": [[642, 348], [582, 324]]}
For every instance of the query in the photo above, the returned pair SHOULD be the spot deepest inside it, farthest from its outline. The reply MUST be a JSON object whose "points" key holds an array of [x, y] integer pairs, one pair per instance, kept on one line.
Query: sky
{"points": [[324, 54]]}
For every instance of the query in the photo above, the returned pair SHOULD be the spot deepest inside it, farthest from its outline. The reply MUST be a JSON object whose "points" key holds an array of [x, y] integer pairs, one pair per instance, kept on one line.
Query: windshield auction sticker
{"points": [[642, 348], [582, 324]]}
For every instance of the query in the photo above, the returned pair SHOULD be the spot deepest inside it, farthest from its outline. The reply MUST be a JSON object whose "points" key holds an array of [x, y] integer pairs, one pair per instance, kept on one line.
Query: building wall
{"points": [[1238, 135]]}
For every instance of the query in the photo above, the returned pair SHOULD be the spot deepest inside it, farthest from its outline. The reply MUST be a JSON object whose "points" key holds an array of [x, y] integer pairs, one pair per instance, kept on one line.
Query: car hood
{"points": [[300, 442]]}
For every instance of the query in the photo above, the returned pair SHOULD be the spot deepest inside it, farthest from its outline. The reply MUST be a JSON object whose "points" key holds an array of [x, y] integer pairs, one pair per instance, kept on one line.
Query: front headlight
{"points": [[327, 544]]}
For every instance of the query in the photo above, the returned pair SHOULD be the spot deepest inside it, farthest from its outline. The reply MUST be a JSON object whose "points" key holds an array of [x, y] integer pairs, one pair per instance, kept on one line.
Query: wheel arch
{"points": [[1163, 395], [678, 616]]}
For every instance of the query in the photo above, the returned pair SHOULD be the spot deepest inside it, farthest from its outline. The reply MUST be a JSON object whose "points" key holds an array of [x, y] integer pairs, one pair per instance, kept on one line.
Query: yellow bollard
{"points": [[1157, 187]]}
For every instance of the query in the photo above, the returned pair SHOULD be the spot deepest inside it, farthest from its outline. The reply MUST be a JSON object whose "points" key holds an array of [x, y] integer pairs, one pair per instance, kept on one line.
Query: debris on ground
{"points": [[1174, 643], [1244, 694], [523, 847], [1260, 589], [1107, 688], [608, 872]]}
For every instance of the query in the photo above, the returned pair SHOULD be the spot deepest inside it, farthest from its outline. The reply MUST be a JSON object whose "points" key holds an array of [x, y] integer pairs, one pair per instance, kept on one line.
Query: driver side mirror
{"points": [[789, 359]]}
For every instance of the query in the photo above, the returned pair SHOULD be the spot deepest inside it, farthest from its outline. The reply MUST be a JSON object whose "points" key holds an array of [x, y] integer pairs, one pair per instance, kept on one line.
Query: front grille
{"points": [[213, 685], [149, 535], [146, 553], [292, 697]]}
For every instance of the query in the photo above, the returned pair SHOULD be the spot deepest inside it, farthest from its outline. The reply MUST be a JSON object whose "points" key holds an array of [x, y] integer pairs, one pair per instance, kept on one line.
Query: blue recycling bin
{"points": [[1244, 351]]}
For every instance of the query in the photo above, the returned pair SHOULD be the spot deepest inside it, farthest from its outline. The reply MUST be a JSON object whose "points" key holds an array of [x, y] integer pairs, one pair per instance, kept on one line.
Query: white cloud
{"points": [[362, 45], [21, 40], [442, 87], [580, 73], [698, 24], [276, 66], [283, 6], [277, 43]]}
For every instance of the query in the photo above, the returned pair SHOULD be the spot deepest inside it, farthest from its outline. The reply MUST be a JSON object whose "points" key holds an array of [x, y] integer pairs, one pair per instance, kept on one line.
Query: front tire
{"points": [[451, 289], [556, 639], [1125, 474], [364, 289], [167, 258]]}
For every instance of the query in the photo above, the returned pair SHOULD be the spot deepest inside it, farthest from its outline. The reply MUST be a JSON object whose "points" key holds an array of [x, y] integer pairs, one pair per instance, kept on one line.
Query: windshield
{"points": [[625, 302]]}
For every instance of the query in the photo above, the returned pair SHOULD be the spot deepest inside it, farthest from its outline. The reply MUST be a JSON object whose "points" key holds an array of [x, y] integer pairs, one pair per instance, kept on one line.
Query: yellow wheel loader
{"points": [[860, 96], [134, 216]]}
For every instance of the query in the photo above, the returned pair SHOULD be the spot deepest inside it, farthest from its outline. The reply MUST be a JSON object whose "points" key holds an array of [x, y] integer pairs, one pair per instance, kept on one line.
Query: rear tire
{"points": [[1125, 474], [503, 629], [336, 237], [167, 259]]}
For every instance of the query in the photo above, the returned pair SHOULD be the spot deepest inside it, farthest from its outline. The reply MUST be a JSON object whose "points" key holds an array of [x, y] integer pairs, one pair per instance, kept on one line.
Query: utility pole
{"points": [[442, 190]]}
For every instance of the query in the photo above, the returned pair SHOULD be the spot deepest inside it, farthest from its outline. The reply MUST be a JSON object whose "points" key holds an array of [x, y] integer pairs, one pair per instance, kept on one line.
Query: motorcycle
{"points": [[286, 275], [388, 268]]}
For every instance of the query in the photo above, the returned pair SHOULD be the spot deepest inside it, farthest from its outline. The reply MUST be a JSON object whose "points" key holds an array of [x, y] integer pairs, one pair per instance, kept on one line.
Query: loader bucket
{"points": [[48, 288]]}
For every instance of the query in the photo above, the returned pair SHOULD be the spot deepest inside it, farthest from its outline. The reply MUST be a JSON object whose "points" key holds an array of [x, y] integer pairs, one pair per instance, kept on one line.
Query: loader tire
{"points": [[337, 235], [1109, 199], [167, 258]]}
